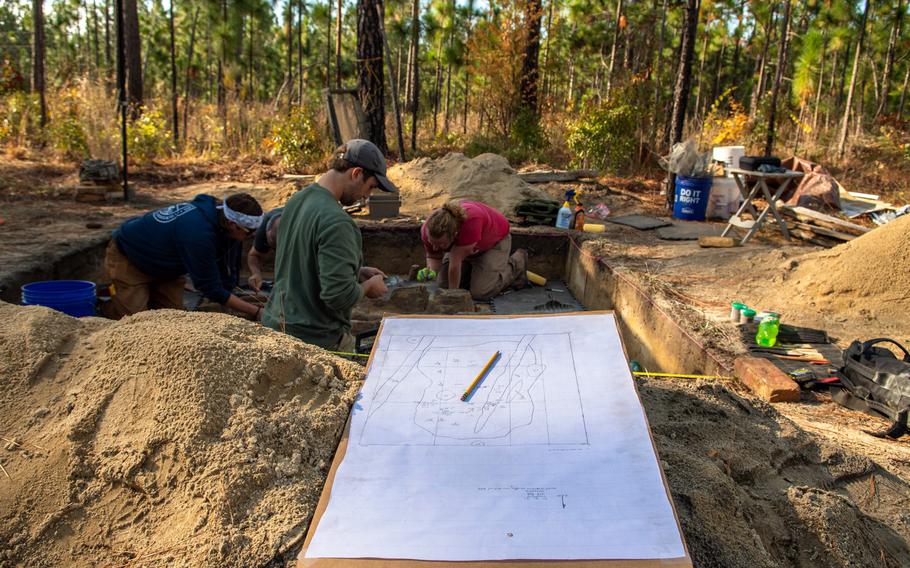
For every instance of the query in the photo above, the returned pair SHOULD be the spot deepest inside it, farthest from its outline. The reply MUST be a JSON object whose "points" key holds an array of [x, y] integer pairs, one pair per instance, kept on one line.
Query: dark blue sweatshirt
{"points": [[180, 239]]}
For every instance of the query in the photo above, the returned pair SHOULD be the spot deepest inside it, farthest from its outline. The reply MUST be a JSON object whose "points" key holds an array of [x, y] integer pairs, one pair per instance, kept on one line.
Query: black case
{"points": [[751, 163]]}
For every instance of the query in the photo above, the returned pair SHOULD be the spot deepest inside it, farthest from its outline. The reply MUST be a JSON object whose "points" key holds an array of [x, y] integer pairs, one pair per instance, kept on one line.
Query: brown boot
{"points": [[519, 262]]}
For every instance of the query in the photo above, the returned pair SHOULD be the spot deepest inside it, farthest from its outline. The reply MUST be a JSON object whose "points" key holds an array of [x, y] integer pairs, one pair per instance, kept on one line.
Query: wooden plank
{"points": [[814, 217], [560, 176], [765, 380], [826, 232], [716, 242], [813, 238]]}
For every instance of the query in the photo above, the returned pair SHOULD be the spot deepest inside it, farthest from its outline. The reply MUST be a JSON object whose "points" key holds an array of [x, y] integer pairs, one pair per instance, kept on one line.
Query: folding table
{"points": [[753, 184]]}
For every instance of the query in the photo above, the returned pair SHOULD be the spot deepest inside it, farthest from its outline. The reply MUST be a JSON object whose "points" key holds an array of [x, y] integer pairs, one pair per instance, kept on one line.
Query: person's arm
{"points": [[434, 263], [254, 262], [339, 266], [367, 272], [238, 305], [456, 257]]}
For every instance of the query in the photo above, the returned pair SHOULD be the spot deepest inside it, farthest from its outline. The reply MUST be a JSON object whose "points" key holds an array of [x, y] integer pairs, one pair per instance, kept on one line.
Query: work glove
{"points": [[426, 274]]}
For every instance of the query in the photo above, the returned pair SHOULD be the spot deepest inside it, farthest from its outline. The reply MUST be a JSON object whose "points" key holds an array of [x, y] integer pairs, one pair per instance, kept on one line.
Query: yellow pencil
{"points": [[481, 375]]}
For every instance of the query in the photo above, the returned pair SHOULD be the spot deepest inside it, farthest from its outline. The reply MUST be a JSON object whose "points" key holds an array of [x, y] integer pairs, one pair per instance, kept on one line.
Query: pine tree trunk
{"points": [[699, 93], [616, 31], [759, 84], [107, 35], [414, 74], [95, 35], [842, 142], [718, 66], [174, 114], [778, 75], [300, 72], [889, 59], [132, 46], [370, 70], [655, 77], [683, 80], [289, 52], [338, 46], [437, 87], [818, 90], [38, 56], [328, 46], [189, 72], [530, 68], [445, 124], [900, 108], [546, 56]]}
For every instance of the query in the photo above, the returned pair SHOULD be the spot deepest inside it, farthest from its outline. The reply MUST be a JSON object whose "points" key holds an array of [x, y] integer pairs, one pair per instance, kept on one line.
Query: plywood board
{"points": [[550, 459]]}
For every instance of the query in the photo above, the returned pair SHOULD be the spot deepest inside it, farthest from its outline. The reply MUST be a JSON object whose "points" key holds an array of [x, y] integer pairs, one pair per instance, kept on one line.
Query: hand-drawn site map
{"points": [[547, 457], [424, 376]]}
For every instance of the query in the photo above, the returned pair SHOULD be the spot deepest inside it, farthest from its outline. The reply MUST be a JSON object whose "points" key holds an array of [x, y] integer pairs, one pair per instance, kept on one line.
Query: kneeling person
{"points": [[472, 234], [149, 256]]}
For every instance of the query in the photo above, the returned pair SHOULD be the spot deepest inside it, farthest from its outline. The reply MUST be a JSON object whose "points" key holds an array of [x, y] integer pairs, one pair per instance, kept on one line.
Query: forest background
{"points": [[605, 84]]}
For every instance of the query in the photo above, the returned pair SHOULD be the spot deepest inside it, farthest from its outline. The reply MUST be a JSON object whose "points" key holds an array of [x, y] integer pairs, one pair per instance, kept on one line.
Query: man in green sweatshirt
{"points": [[319, 272]]}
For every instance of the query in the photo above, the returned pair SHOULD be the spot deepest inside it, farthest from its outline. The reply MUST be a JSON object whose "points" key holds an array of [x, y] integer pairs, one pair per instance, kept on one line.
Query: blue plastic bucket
{"points": [[691, 199], [73, 297]]}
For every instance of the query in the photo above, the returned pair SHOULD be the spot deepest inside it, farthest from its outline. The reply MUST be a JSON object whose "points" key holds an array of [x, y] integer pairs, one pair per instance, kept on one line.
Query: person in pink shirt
{"points": [[468, 244]]}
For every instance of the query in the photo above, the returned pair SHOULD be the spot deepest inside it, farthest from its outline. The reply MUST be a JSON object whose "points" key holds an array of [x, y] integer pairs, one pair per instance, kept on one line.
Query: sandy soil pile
{"points": [[167, 438], [752, 489], [425, 183], [870, 274]]}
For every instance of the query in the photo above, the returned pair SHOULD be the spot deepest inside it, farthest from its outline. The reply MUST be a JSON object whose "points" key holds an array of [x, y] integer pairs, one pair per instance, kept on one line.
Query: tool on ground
{"points": [[481, 375]]}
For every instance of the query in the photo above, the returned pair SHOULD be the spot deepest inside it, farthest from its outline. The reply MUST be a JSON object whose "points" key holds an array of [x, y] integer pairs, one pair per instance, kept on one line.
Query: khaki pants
{"points": [[486, 274], [134, 291]]}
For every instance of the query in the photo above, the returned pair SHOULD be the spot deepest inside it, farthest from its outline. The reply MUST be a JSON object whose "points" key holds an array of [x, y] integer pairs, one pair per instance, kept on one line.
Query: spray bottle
{"points": [[564, 217], [578, 218]]}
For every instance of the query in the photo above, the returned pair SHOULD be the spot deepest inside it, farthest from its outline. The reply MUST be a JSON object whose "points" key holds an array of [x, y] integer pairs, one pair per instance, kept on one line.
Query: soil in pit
{"points": [[199, 439]]}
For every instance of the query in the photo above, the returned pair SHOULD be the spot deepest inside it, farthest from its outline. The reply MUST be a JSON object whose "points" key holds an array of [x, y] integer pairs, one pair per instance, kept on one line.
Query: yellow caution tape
{"points": [[680, 376]]}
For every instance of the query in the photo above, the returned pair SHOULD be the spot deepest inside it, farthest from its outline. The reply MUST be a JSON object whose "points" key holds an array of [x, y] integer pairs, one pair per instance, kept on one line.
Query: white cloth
{"points": [[250, 222]]}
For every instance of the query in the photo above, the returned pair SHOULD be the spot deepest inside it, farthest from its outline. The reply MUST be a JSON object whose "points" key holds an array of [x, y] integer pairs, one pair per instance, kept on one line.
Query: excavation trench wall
{"points": [[650, 337]]}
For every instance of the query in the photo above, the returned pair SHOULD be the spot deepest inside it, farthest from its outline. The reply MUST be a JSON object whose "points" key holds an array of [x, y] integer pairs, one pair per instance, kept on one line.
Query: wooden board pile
{"points": [[820, 229]]}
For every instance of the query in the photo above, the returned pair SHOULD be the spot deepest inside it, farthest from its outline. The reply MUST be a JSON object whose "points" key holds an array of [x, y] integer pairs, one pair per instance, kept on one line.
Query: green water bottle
{"points": [[767, 331]]}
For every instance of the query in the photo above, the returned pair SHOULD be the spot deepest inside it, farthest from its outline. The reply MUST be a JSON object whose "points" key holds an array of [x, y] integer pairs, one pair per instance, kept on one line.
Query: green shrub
{"points": [[297, 140], [19, 113], [603, 137], [148, 137]]}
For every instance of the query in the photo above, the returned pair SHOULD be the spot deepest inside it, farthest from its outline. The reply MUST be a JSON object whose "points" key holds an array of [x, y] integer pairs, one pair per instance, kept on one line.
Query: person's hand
{"points": [[258, 315], [426, 274], [374, 287], [255, 282], [368, 272]]}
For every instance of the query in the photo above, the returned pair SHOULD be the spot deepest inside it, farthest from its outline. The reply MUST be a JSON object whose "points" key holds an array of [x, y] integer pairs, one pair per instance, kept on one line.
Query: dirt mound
{"points": [[753, 489], [870, 274], [167, 438], [425, 183]]}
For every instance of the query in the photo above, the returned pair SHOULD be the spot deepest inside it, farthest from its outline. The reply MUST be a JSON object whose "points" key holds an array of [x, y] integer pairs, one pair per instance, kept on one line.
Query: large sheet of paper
{"points": [[550, 458]]}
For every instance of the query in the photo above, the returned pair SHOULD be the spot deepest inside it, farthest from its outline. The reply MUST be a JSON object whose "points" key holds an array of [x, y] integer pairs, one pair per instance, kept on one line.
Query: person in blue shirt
{"points": [[149, 256]]}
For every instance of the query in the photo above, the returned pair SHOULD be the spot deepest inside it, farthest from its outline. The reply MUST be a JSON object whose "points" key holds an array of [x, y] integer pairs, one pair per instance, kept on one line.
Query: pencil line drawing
{"points": [[416, 400]]}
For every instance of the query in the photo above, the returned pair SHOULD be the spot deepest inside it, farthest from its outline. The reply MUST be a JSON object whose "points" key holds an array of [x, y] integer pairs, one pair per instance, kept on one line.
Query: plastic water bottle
{"points": [[767, 331], [564, 217]]}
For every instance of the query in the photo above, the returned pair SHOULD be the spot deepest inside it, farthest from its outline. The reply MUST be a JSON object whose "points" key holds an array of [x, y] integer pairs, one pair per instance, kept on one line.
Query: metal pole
{"points": [[121, 96]]}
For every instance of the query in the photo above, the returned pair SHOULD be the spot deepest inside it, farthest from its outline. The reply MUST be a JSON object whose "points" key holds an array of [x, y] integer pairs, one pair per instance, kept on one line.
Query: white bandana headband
{"points": [[250, 222]]}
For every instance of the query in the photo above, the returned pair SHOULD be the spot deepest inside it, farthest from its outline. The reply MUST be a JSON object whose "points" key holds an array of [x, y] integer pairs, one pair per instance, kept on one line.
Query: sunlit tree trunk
{"points": [[760, 82], [174, 115], [338, 46], [189, 72], [616, 31], [889, 59], [845, 124], [778, 75]]}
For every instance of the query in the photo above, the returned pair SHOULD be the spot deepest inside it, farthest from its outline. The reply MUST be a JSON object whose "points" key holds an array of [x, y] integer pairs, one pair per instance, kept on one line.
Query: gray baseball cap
{"points": [[365, 154]]}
